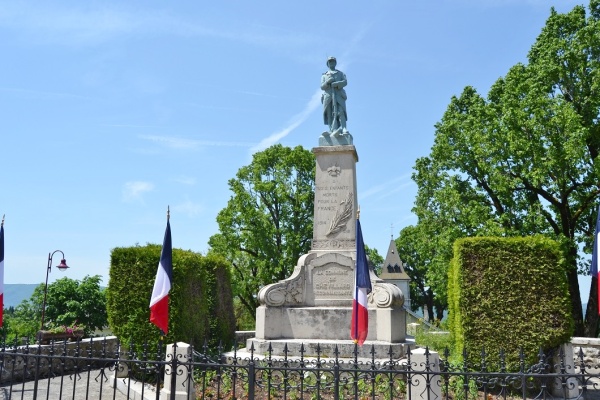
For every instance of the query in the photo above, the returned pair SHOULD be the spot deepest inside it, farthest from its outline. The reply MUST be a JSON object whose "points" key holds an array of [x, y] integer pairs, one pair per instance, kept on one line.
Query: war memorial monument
{"points": [[314, 305]]}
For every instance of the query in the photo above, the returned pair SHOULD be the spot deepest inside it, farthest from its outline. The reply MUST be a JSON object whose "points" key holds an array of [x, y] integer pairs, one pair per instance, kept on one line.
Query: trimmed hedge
{"points": [[200, 300], [508, 294]]}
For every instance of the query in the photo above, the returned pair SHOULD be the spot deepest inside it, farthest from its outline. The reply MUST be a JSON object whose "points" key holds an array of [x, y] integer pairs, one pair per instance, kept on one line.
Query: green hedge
{"points": [[508, 294], [200, 300]]}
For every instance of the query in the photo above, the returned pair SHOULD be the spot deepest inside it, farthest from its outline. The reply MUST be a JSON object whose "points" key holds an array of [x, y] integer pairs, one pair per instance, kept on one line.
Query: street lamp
{"points": [[62, 266]]}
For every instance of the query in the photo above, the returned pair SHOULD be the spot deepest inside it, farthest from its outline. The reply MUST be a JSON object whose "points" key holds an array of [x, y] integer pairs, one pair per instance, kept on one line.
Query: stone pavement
{"points": [[78, 387]]}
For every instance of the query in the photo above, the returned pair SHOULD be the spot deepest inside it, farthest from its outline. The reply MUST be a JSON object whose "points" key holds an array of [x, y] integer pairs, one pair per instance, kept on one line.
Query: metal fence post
{"points": [[174, 372], [251, 381], [37, 372], [178, 385]]}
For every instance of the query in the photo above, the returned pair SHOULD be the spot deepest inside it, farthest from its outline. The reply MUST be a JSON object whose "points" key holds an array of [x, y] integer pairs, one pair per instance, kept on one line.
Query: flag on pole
{"points": [[2, 272], [159, 302], [362, 287], [596, 258]]}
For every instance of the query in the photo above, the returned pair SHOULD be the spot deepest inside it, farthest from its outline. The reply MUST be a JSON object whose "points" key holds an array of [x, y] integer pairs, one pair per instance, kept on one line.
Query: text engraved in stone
{"points": [[333, 244], [332, 282], [329, 197]]}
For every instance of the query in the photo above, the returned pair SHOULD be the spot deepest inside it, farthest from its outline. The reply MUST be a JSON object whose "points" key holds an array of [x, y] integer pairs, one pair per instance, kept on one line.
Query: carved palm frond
{"points": [[342, 215]]}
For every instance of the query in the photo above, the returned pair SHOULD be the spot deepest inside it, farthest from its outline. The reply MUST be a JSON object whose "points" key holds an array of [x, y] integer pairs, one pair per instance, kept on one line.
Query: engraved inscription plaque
{"points": [[332, 281]]}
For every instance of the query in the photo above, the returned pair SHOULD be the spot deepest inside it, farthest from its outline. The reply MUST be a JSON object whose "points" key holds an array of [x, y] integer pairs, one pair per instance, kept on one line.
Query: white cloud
{"points": [[295, 122], [67, 25], [389, 187], [190, 144], [189, 208], [44, 95], [171, 142], [85, 25], [133, 191], [186, 180]]}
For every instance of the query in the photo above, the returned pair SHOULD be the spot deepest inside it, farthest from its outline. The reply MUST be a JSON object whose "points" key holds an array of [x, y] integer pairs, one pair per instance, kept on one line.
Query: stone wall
{"points": [[591, 352], [38, 361]]}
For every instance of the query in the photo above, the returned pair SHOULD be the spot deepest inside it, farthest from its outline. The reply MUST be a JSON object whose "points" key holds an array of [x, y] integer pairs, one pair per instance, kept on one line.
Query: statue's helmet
{"points": [[330, 59]]}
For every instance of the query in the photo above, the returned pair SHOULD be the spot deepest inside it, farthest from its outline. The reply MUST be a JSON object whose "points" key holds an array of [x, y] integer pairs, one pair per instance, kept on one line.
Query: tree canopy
{"points": [[523, 160], [69, 302], [416, 250], [72, 302], [268, 221]]}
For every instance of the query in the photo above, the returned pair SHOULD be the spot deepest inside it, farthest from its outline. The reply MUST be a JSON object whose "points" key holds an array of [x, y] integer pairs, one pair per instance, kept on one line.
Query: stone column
{"points": [[335, 199], [180, 381], [424, 376], [566, 388]]}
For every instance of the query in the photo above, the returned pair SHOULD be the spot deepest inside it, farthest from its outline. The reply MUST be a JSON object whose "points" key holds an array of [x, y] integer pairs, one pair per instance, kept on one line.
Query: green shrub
{"points": [[200, 300], [508, 294], [434, 340]]}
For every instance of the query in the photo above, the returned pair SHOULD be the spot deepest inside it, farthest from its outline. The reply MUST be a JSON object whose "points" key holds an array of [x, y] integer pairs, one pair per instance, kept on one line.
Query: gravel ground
{"points": [[84, 386]]}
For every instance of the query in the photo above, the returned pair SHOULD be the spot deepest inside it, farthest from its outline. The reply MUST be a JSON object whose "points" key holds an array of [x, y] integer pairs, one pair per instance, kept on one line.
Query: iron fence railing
{"points": [[107, 369]]}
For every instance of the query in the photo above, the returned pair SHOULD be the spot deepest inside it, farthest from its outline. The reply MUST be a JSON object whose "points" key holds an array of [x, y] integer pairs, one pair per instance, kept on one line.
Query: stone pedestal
{"points": [[425, 382], [314, 305], [565, 388], [178, 384]]}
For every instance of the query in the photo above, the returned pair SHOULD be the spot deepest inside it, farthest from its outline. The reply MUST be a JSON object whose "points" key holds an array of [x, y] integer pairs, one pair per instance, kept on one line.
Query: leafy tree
{"points": [[71, 302], [375, 259], [414, 249], [22, 322], [267, 223], [524, 159]]}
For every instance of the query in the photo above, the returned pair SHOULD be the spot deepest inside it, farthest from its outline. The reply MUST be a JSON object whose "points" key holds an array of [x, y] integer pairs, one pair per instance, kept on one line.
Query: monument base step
{"points": [[327, 349]]}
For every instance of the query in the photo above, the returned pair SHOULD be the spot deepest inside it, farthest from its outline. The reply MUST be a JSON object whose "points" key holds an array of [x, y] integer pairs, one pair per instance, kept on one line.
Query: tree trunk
{"points": [[570, 252], [576, 307], [591, 313], [439, 313], [429, 304]]}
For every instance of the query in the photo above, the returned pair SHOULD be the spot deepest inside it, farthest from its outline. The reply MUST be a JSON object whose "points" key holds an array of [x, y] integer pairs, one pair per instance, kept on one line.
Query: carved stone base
{"points": [[316, 303], [327, 323], [326, 348], [336, 139]]}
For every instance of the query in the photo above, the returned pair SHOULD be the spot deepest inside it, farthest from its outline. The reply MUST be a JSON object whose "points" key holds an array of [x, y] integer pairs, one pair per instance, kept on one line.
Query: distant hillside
{"points": [[15, 293]]}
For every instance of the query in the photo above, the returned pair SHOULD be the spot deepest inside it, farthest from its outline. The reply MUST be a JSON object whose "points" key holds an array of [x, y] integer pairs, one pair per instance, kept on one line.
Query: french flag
{"points": [[159, 302], [596, 258], [359, 327], [2, 272]]}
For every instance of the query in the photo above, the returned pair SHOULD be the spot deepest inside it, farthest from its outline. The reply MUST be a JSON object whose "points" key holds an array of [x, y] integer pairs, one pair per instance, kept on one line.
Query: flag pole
{"points": [[359, 326], [354, 307], [596, 259], [2, 272], [162, 333], [159, 301]]}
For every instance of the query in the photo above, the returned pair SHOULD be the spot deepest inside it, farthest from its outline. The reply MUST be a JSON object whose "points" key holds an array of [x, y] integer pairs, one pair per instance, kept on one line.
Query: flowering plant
{"points": [[71, 330]]}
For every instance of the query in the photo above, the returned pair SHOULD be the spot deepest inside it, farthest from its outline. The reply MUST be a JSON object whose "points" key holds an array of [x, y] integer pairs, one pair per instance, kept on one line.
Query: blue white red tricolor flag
{"points": [[596, 258], [359, 327], [159, 302], [2, 272]]}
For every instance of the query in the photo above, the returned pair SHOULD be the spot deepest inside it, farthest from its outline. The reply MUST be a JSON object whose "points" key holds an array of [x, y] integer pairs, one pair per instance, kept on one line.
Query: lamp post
{"points": [[62, 267]]}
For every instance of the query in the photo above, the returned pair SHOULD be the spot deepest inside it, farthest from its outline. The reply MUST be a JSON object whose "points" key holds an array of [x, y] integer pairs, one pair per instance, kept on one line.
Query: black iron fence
{"points": [[106, 369]]}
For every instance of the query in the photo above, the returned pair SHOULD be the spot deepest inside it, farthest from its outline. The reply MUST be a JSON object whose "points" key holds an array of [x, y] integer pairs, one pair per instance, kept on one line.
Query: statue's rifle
{"points": [[335, 107]]}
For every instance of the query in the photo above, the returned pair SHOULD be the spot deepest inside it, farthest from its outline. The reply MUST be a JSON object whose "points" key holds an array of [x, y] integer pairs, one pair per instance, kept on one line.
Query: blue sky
{"points": [[110, 111]]}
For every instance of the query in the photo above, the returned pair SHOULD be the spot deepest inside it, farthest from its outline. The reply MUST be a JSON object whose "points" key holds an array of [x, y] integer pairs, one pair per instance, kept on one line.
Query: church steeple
{"points": [[393, 268], [393, 272]]}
